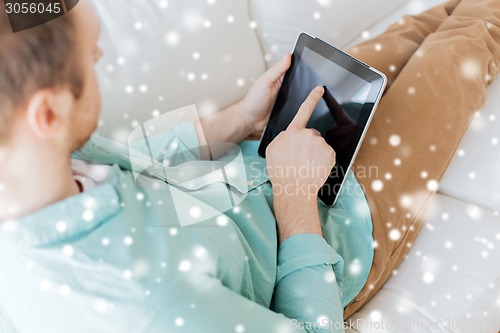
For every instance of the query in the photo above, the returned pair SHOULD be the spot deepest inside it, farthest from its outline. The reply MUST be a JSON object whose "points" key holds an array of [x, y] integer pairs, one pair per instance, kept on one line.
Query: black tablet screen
{"points": [[341, 115]]}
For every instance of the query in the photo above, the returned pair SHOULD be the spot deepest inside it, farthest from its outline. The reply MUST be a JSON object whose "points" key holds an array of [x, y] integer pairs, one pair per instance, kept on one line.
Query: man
{"points": [[85, 253], [104, 253]]}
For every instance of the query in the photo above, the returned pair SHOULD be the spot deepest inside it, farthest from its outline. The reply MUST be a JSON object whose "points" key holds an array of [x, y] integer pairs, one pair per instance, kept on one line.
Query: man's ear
{"points": [[47, 112]]}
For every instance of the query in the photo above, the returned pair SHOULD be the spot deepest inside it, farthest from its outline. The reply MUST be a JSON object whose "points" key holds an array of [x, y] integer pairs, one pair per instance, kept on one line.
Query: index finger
{"points": [[306, 109]]}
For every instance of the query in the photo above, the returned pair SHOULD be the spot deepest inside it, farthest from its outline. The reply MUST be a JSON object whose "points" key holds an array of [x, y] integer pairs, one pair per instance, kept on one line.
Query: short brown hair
{"points": [[34, 59]]}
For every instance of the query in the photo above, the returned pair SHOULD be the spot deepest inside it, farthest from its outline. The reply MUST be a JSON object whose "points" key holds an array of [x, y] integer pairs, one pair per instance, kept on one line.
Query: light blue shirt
{"points": [[122, 258]]}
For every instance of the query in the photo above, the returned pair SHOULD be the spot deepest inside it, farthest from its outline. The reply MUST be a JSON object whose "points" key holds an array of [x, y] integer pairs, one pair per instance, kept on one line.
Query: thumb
{"points": [[278, 69]]}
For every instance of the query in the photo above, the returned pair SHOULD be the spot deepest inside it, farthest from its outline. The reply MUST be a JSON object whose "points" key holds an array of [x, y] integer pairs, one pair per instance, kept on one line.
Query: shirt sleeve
{"points": [[178, 145], [175, 146], [306, 287], [306, 296]]}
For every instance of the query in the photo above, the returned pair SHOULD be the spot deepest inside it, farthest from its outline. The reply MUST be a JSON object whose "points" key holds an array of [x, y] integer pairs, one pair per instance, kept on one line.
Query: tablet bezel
{"points": [[347, 62]]}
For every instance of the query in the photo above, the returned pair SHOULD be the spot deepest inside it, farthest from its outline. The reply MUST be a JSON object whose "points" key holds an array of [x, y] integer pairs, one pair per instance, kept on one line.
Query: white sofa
{"points": [[161, 55]]}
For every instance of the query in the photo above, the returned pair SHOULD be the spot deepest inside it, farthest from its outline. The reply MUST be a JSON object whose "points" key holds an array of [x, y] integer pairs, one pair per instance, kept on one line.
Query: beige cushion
{"points": [[335, 21], [163, 55]]}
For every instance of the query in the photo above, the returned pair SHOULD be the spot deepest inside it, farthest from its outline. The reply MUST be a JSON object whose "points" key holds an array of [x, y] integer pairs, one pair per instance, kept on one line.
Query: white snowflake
{"points": [[222, 220], [428, 277], [240, 82], [172, 38], [184, 266], [375, 315], [395, 234], [394, 140], [474, 212], [45, 286], [324, 3], [377, 185], [195, 212], [355, 267], [88, 215], [68, 250], [330, 277], [432, 185], [61, 226], [179, 321], [470, 69], [64, 290], [101, 305], [200, 252], [127, 240], [406, 200], [127, 274], [163, 4]]}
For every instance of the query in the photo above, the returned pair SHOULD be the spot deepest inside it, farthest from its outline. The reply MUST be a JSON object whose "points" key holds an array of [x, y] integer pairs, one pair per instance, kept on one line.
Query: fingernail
{"points": [[318, 89]]}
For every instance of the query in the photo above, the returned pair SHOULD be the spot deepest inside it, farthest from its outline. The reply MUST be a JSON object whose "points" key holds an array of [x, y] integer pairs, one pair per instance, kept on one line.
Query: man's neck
{"points": [[32, 177]]}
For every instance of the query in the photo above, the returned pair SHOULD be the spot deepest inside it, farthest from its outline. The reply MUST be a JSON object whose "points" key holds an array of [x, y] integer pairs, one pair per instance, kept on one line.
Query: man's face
{"points": [[85, 113]]}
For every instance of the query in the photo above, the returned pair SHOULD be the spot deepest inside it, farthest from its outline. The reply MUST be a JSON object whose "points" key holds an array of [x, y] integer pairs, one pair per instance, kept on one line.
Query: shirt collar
{"points": [[66, 219]]}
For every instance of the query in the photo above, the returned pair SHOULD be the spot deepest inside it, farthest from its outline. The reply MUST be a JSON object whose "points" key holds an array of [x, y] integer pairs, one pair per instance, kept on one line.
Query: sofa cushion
{"points": [[336, 22], [473, 174], [161, 55], [451, 275]]}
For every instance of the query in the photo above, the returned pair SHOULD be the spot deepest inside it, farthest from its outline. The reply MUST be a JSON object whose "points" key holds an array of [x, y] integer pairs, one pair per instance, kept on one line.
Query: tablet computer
{"points": [[352, 92]]}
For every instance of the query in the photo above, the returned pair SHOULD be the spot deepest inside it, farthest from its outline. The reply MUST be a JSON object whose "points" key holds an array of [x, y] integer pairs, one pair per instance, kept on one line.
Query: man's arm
{"points": [[299, 162]]}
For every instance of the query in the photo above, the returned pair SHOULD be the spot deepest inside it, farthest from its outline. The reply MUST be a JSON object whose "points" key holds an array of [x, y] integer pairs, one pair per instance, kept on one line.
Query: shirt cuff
{"points": [[304, 250]]}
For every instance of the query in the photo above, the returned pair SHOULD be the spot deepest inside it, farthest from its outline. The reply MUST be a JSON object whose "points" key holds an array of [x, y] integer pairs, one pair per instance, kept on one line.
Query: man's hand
{"points": [[299, 161], [257, 104]]}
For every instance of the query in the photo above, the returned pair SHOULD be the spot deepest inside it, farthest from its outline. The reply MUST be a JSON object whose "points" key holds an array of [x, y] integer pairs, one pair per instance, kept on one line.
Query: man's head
{"points": [[48, 85]]}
